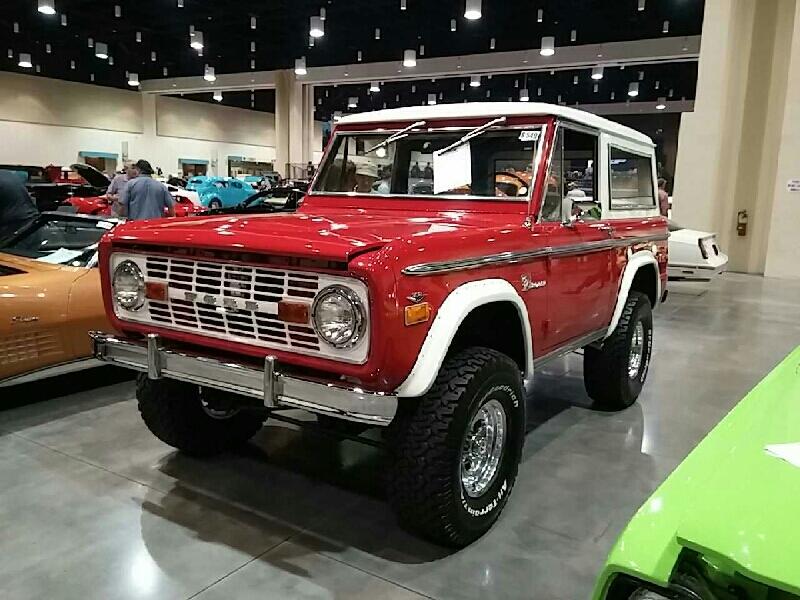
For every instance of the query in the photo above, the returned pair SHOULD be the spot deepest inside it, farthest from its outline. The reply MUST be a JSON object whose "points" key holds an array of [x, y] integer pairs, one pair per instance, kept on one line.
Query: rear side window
{"points": [[631, 183]]}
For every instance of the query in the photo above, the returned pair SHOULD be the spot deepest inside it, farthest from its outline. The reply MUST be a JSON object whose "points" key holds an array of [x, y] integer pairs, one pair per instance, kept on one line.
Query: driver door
{"points": [[579, 269]]}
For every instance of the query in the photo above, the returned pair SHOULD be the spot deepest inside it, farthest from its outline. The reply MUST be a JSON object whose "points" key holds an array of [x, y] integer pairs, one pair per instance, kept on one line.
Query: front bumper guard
{"points": [[274, 389]]}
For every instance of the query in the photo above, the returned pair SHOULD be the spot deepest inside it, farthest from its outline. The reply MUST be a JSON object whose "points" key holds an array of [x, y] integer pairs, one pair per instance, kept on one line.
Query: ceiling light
{"points": [[46, 7], [323, 14], [101, 50], [410, 58], [310, 42], [64, 20], [573, 35], [153, 56], [595, 87], [217, 96], [665, 27], [452, 24], [117, 11], [612, 95], [403, 5], [165, 72], [252, 64], [575, 80], [72, 65], [252, 46], [300, 66], [180, 3], [209, 74], [352, 102], [90, 42], [253, 23], [492, 44], [597, 73], [196, 41], [523, 95], [661, 104], [16, 27], [374, 87], [191, 30], [472, 10], [633, 89], [139, 37], [25, 60], [548, 46], [359, 56], [539, 15], [641, 75], [10, 53], [133, 79], [48, 48], [641, 5], [431, 99], [337, 115], [377, 33], [111, 61], [475, 81], [317, 29]]}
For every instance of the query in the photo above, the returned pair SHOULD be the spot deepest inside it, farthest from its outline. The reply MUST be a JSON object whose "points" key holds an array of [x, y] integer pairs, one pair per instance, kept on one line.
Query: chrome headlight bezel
{"points": [[359, 312], [131, 269]]}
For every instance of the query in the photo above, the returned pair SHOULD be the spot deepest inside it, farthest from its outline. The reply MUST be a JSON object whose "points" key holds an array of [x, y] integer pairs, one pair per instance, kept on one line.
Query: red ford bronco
{"points": [[441, 255]]}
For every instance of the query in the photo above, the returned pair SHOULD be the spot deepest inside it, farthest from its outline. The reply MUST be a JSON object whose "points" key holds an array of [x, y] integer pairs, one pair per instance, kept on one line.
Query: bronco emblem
{"points": [[527, 284]]}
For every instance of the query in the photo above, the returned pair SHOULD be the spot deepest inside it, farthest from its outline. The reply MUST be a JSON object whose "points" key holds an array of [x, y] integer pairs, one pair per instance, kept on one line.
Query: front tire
{"points": [[456, 453], [614, 373], [195, 420], [215, 204]]}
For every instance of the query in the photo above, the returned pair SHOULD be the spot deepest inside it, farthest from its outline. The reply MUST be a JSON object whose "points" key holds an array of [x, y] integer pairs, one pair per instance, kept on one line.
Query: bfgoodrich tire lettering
{"points": [[174, 413], [606, 374], [425, 481]]}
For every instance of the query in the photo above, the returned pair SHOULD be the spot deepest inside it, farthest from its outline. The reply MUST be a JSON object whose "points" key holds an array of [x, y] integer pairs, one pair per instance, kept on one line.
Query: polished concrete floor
{"points": [[92, 506]]}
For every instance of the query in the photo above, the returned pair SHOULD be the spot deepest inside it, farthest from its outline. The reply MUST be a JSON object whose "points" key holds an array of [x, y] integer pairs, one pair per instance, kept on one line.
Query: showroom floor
{"points": [[93, 506]]}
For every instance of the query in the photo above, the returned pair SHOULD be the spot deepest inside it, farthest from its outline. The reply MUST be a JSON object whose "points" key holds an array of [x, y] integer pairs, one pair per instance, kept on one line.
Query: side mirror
{"points": [[567, 218]]}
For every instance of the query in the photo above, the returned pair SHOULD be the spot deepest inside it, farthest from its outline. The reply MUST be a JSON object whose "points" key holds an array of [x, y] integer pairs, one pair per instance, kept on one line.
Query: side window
{"points": [[631, 183], [571, 181], [551, 207]]}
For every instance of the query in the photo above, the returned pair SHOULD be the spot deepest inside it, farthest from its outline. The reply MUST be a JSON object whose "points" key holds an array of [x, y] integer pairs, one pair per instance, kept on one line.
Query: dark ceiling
{"points": [[281, 35]]}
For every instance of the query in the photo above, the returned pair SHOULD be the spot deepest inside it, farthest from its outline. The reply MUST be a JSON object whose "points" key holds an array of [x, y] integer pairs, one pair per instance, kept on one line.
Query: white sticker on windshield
{"points": [[529, 135], [60, 256], [104, 225], [452, 169]]}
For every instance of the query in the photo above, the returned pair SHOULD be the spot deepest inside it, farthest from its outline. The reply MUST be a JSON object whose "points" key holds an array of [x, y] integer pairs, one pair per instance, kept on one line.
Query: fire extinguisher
{"points": [[741, 223]]}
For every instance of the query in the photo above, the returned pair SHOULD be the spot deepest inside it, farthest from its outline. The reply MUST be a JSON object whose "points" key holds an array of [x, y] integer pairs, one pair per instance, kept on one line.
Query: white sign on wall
{"points": [[793, 185]]}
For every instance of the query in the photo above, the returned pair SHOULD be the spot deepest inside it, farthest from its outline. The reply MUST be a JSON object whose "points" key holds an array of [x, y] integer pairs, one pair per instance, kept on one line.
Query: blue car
{"points": [[218, 192], [195, 182]]}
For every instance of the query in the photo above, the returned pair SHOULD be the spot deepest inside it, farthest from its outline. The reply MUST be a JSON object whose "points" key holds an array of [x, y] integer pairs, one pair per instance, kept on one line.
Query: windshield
{"points": [[60, 241], [495, 164]]}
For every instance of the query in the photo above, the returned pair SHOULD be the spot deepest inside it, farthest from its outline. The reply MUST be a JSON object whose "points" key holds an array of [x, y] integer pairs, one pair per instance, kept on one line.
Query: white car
{"points": [[694, 255], [191, 195]]}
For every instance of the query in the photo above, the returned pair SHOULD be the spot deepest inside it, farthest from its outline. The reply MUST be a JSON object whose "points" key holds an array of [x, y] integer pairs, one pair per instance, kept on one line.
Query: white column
{"points": [[283, 81], [294, 110]]}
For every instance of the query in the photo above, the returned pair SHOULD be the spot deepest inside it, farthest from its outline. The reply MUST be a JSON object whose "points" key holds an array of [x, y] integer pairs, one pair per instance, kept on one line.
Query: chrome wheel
{"points": [[637, 350], [482, 448]]}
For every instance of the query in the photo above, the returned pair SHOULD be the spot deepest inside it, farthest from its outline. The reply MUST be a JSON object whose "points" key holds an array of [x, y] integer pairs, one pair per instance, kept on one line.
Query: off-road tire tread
{"points": [[603, 375], [419, 487], [177, 419]]}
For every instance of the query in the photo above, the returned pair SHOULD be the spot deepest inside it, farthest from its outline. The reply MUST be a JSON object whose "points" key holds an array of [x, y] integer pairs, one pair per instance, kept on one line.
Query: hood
{"points": [[730, 499], [9, 263], [92, 175], [334, 235]]}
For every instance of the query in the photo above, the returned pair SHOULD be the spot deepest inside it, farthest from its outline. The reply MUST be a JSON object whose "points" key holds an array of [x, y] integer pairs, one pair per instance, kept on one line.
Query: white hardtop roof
{"points": [[494, 109]]}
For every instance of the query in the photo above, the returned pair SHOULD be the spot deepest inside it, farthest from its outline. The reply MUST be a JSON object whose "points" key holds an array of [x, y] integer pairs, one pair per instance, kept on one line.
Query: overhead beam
{"points": [[638, 52]]}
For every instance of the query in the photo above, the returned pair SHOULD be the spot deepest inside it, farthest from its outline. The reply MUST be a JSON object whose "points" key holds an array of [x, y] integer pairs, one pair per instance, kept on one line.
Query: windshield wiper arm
{"points": [[396, 136], [471, 134]]}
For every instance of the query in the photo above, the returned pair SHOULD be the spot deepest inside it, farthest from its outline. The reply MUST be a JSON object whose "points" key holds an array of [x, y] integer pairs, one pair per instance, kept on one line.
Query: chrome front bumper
{"points": [[274, 389]]}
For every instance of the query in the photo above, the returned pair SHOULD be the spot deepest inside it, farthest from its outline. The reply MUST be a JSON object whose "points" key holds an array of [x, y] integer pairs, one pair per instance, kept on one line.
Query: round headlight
{"points": [[338, 316], [128, 285]]}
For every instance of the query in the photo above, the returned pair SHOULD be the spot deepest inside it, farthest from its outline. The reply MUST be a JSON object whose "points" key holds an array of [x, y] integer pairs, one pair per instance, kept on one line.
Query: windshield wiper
{"points": [[470, 134], [396, 136]]}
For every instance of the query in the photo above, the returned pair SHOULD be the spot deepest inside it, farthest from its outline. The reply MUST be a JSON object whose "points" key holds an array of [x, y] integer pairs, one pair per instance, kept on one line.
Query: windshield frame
{"points": [[542, 123]]}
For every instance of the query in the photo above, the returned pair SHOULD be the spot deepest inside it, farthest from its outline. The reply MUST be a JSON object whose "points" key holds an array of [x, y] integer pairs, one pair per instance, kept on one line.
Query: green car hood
{"points": [[729, 500]]}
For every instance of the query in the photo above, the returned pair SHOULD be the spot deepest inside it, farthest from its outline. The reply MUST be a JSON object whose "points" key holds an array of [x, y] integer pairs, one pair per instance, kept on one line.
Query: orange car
{"points": [[50, 296]]}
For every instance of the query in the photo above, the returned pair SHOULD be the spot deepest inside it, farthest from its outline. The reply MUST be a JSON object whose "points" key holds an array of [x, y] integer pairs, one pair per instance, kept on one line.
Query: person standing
{"points": [[116, 186], [663, 197], [143, 197], [17, 208]]}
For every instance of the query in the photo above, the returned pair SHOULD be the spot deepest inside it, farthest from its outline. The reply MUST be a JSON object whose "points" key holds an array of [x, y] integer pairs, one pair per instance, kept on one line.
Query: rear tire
{"points": [[615, 373], [437, 483], [179, 415]]}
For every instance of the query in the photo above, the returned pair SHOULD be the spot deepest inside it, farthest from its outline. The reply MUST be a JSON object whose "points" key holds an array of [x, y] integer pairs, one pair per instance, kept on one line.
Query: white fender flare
{"points": [[455, 308], [638, 260]]}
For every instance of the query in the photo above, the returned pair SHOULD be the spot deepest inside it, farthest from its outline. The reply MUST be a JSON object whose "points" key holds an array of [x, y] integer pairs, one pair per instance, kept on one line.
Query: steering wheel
{"points": [[523, 183]]}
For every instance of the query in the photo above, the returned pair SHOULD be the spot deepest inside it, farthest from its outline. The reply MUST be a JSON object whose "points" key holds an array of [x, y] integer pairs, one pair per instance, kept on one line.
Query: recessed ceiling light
{"points": [[64, 20], [25, 60], [209, 74], [196, 41], [523, 95], [377, 33], [472, 10], [101, 50], [475, 81], [300, 66], [217, 96], [409, 58], [46, 7], [661, 104], [431, 99], [597, 72], [374, 87], [352, 102], [633, 89], [133, 79]]}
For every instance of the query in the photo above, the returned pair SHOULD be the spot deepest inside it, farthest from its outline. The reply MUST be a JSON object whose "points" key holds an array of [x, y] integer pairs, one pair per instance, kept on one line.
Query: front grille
{"points": [[231, 300]]}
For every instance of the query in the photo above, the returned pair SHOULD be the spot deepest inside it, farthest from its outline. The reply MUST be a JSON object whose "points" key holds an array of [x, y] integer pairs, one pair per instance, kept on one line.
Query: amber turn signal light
{"points": [[155, 291], [293, 312], [418, 313]]}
